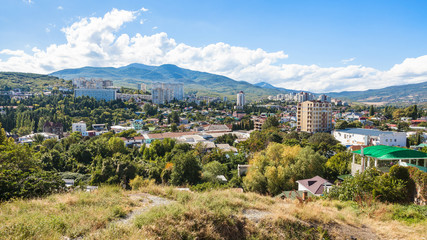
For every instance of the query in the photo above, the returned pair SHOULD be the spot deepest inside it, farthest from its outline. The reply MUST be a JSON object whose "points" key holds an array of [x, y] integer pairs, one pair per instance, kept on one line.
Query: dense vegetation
{"points": [[64, 109], [30, 82]]}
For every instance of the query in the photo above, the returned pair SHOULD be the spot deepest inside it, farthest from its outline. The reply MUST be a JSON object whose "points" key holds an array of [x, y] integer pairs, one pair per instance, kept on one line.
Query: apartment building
{"points": [[314, 116], [166, 92]]}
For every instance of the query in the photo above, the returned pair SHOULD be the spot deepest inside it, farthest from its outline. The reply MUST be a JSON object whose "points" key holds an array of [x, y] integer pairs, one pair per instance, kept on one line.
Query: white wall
{"points": [[350, 138], [393, 139]]}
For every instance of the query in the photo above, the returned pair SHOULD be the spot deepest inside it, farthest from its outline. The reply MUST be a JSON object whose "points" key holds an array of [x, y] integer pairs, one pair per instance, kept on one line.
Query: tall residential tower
{"points": [[314, 116]]}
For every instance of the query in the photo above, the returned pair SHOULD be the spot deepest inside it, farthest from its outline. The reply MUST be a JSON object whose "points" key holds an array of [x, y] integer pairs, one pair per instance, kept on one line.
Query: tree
{"points": [[116, 145], [339, 164], [268, 173], [271, 122], [371, 110], [186, 169], [174, 127], [38, 139], [212, 169], [341, 125]]}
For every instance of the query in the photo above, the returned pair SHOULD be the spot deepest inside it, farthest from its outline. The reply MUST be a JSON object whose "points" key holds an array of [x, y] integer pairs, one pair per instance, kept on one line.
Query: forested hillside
{"points": [[30, 82]]}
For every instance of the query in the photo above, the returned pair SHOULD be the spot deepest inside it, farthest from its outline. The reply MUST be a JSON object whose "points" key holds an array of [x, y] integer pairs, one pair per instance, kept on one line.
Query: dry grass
{"points": [[71, 214], [217, 214]]}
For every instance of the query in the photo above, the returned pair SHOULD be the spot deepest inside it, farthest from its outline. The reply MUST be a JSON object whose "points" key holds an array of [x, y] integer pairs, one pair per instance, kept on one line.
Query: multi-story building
{"points": [[55, 128], [314, 116], [166, 92], [142, 87], [324, 98], [369, 137], [79, 127], [241, 101], [98, 94], [304, 96], [93, 83]]}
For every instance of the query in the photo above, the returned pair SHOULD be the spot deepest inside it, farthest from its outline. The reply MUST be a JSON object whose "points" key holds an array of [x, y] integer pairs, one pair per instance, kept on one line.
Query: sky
{"points": [[318, 46]]}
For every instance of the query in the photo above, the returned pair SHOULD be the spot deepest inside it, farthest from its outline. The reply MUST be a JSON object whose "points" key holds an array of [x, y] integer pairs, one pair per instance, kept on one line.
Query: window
{"points": [[395, 140], [386, 140]]}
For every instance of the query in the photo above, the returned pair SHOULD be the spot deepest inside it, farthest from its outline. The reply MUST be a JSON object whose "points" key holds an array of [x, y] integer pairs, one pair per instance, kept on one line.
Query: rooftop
{"points": [[362, 131], [391, 153], [315, 185]]}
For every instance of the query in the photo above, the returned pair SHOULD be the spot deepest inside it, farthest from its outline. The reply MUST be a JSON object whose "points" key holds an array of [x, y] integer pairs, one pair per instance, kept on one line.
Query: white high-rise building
{"points": [[241, 99], [166, 92], [142, 87]]}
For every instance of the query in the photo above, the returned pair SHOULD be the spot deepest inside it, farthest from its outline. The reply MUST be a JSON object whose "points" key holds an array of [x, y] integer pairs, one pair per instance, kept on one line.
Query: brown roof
{"points": [[169, 135], [314, 185]]}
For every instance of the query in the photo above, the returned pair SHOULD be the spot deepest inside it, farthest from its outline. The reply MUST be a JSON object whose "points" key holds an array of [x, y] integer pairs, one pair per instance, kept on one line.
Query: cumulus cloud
{"points": [[94, 42]]}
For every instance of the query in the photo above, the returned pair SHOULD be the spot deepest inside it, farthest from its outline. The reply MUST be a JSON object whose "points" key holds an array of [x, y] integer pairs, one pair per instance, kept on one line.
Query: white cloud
{"points": [[60, 8], [347, 61], [47, 30], [155, 27], [143, 9], [141, 21], [94, 42], [28, 1]]}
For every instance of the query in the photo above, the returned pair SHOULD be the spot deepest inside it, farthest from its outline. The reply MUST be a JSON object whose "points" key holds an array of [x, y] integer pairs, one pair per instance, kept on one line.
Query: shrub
{"points": [[139, 182]]}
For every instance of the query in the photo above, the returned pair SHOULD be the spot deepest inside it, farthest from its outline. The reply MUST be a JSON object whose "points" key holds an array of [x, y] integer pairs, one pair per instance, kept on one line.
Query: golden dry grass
{"points": [[218, 214]]}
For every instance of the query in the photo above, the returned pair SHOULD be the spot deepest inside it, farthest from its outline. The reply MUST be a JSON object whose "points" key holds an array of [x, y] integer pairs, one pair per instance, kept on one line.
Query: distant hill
{"points": [[269, 86], [29, 81], [204, 83], [395, 94], [201, 82]]}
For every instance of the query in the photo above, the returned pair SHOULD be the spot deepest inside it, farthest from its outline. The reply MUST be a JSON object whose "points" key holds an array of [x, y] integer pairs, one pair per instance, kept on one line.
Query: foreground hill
{"points": [[201, 82], [156, 212]]}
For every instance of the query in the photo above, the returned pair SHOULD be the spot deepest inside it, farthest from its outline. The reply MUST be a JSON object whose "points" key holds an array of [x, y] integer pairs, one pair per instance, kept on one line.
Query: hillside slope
{"points": [[29, 81], [201, 82], [156, 212], [403, 93]]}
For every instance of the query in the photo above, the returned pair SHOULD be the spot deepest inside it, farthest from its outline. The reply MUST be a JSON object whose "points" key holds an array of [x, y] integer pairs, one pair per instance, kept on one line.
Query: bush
{"points": [[371, 182], [139, 182]]}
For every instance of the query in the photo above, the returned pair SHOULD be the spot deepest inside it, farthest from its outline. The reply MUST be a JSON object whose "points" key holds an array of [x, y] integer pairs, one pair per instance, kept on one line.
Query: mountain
{"points": [[204, 83], [194, 81], [269, 86], [395, 94]]}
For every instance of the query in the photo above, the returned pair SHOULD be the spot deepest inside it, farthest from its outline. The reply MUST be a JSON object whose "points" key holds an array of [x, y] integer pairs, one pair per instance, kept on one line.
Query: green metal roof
{"points": [[424, 169], [342, 177], [392, 153]]}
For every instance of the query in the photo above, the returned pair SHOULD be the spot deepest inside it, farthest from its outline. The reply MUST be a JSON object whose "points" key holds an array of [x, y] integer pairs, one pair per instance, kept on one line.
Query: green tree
{"points": [[339, 164], [186, 169], [116, 145], [371, 110], [212, 169], [271, 122]]}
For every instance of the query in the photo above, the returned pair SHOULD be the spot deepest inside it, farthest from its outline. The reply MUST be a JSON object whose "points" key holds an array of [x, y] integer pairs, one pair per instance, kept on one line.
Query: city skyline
{"points": [[317, 47]]}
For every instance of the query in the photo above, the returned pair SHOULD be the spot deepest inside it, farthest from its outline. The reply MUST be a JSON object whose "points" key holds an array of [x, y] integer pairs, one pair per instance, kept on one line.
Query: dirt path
{"points": [[148, 201]]}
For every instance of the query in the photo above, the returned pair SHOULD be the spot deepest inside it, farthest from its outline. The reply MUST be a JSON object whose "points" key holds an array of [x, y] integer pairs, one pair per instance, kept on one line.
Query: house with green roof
{"points": [[383, 157]]}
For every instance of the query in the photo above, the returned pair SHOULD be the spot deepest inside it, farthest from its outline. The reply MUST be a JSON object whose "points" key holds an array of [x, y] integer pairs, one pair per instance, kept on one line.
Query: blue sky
{"points": [[339, 42]]}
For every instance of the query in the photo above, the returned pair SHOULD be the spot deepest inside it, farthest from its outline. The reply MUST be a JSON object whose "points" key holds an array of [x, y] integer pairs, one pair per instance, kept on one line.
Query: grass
{"points": [[71, 214], [216, 214]]}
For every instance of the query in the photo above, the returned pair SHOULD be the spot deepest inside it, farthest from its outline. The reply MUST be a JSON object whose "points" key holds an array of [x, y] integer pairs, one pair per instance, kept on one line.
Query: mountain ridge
{"points": [[205, 83]]}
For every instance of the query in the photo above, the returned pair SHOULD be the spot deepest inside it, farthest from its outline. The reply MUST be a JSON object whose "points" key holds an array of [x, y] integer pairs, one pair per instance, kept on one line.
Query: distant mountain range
{"points": [[201, 83], [409, 93], [204, 83]]}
